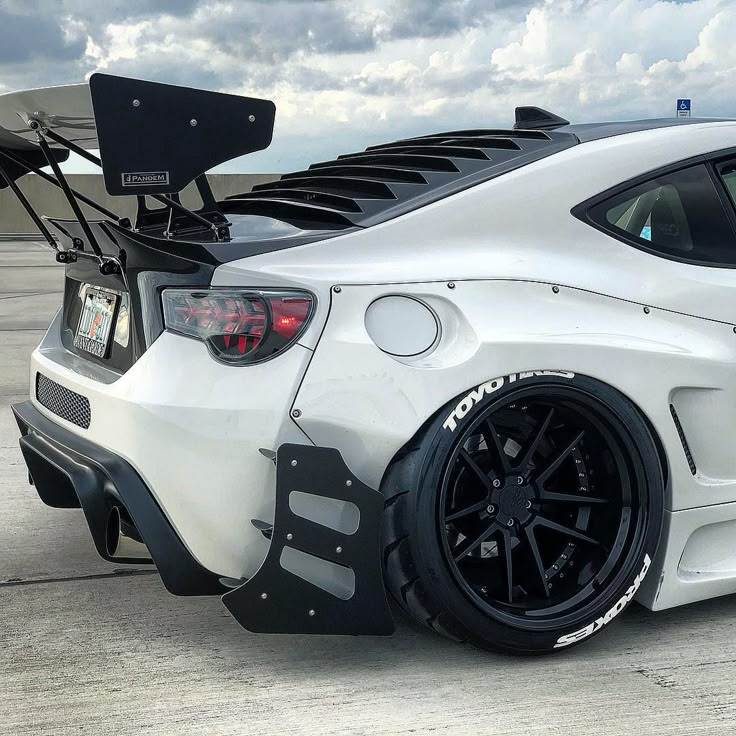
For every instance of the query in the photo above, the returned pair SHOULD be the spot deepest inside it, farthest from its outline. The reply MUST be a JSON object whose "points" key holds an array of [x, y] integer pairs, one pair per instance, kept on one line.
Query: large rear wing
{"points": [[154, 139]]}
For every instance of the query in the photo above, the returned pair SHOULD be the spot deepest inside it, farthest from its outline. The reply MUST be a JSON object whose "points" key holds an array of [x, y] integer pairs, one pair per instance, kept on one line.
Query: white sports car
{"points": [[490, 371]]}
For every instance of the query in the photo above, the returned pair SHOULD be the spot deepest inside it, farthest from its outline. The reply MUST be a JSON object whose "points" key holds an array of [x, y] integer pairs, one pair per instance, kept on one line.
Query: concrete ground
{"points": [[86, 648]]}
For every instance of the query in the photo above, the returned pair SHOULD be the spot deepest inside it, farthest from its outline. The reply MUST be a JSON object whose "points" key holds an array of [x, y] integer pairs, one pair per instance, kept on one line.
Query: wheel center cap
{"points": [[512, 501]]}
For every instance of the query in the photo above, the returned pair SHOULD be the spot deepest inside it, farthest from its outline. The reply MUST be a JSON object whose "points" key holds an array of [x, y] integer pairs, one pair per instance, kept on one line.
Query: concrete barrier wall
{"points": [[49, 200]]}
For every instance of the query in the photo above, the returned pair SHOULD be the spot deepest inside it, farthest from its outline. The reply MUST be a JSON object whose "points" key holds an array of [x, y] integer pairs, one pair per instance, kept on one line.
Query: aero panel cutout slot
{"points": [[334, 579], [342, 516]]}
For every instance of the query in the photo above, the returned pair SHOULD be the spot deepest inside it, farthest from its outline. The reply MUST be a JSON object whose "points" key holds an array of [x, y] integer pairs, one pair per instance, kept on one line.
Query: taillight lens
{"points": [[239, 327]]}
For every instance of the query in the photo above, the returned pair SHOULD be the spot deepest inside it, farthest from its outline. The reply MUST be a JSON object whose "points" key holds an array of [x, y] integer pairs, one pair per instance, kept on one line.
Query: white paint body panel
{"points": [[192, 427]]}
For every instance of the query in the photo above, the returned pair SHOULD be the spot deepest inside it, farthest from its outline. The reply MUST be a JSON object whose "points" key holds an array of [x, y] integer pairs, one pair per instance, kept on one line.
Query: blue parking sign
{"points": [[684, 107]]}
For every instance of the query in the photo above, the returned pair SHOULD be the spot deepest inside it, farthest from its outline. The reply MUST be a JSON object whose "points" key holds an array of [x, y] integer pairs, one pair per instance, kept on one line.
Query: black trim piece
{"points": [[715, 168], [62, 463], [683, 440], [449, 149], [363, 171], [399, 159], [583, 210], [440, 141], [334, 202], [535, 118], [347, 186], [485, 132], [302, 214], [298, 213], [277, 601]]}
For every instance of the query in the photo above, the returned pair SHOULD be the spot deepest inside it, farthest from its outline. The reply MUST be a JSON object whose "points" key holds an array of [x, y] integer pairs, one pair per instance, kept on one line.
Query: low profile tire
{"points": [[525, 515]]}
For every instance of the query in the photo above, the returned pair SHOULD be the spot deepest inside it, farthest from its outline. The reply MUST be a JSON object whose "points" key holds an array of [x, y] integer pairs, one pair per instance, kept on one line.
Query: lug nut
{"points": [[491, 509], [520, 480], [497, 483], [510, 522], [312, 611], [528, 504]]}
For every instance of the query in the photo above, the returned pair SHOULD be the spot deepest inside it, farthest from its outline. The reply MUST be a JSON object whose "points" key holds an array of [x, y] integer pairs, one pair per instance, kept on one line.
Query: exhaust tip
{"points": [[122, 540]]}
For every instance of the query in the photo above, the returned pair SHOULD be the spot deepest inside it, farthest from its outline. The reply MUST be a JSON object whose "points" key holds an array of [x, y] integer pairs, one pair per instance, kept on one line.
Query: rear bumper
{"points": [[323, 571], [192, 429], [70, 471]]}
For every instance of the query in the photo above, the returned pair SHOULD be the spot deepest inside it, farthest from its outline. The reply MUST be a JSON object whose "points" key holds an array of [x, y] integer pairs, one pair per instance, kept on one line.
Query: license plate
{"points": [[96, 321]]}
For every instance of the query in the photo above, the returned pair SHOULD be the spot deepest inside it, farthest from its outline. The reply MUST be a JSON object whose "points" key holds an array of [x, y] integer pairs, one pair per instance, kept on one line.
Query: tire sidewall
{"points": [[439, 441]]}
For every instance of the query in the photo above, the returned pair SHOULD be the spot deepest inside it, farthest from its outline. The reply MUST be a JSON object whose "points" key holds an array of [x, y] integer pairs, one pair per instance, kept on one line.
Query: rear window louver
{"points": [[361, 189]]}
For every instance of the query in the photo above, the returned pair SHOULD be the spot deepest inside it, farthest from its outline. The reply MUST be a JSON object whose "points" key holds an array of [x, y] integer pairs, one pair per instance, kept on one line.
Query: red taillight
{"points": [[238, 326], [289, 315]]}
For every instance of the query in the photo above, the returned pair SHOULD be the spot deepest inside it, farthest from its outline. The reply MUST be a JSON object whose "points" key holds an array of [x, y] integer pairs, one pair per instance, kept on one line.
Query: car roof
{"points": [[586, 132], [387, 180]]}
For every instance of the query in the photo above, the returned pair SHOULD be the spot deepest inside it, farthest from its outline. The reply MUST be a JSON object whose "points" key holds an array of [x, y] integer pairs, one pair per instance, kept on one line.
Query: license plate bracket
{"points": [[96, 321]]}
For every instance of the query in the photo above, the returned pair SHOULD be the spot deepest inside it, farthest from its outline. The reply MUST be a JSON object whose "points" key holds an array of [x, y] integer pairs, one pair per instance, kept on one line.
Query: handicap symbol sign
{"points": [[684, 107]]}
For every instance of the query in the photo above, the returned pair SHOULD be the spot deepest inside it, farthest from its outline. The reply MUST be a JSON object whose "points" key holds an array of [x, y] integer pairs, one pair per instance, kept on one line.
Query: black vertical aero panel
{"points": [[157, 138], [277, 601]]}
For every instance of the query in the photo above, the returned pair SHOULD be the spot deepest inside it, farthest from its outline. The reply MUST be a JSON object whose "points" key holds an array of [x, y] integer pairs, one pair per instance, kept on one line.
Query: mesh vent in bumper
{"points": [[61, 401]]}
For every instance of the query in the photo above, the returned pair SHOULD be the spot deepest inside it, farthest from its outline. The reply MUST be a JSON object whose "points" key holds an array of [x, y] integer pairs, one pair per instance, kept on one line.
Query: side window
{"points": [[728, 174], [678, 215]]}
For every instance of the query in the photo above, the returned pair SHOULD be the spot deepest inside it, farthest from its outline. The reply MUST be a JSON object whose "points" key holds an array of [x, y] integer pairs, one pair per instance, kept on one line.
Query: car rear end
{"points": [[191, 387]]}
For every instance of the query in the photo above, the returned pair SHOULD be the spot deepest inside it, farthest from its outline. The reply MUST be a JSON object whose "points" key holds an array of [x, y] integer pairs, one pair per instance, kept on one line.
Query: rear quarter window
{"points": [[678, 215]]}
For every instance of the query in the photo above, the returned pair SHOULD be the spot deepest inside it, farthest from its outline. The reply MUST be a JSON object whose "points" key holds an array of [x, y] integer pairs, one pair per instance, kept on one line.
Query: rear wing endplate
{"points": [[159, 138], [154, 139]]}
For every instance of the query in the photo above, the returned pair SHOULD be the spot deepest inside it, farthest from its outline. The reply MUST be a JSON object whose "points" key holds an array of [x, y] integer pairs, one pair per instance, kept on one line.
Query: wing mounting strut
{"points": [[220, 232]]}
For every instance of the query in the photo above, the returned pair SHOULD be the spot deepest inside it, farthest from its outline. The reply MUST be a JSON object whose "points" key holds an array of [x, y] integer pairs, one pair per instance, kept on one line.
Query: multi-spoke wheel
{"points": [[528, 524]]}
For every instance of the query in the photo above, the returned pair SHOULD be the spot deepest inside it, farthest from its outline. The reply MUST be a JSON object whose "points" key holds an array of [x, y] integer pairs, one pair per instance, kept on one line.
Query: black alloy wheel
{"points": [[544, 508]]}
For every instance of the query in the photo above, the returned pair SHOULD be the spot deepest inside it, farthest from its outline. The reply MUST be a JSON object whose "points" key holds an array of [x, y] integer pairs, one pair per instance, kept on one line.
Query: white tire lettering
{"points": [[599, 623], [489, 387]]}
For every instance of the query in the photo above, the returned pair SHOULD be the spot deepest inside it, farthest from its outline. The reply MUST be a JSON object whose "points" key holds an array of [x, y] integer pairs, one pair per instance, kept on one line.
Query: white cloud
{"points": [[347, 73]]}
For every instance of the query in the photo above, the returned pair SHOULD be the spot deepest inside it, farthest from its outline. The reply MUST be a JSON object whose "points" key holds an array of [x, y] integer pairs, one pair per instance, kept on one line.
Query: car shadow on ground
{"points": [[203, 622]]}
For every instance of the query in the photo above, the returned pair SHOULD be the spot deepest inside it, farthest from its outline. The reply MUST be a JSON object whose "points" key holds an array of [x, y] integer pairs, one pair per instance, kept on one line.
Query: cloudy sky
{"points": [[348, 73]]}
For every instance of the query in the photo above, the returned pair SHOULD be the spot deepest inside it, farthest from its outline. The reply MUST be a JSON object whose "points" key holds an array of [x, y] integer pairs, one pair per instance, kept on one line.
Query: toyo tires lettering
{"points": [[489, 387], [599, 623]]}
